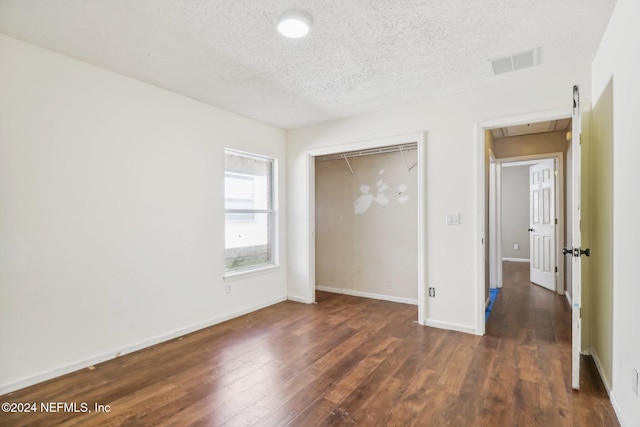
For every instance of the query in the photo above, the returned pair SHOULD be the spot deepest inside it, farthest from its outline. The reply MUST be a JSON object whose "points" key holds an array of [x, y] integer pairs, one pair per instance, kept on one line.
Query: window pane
{"points": [[248, 178], [238, 187], [247, 243]]}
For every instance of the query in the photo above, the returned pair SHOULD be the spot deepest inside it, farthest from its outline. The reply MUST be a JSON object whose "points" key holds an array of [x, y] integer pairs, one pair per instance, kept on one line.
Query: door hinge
{"points": [[556, 269], [555, 173], [556, 221]]}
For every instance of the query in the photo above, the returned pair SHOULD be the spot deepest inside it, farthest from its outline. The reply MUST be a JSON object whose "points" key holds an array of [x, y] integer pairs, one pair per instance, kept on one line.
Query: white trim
{"points": [[512, 162], [233, 275], [616, 409], [8, 388], [507, 259], [371, 295], [498, 200], [450, 326], [310, 235], [607, 387], [367, 144], [422, 232], [295, 298], [274, 229], [493, 222], [309, 216], [521, 119], [604, 379], [482, 234]]}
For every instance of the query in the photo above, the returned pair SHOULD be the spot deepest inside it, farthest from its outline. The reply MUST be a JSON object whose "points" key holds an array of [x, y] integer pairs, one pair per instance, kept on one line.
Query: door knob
{"points": [[576, 251], [530, 229], [580, 252]]}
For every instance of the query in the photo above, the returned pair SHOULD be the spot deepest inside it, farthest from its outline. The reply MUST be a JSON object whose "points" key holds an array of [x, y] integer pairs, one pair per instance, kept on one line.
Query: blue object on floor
{"points": [[493, 294]]}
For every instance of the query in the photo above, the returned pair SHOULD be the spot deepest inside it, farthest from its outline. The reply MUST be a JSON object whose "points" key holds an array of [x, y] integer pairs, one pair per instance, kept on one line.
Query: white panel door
{"points": [[542, 217]]}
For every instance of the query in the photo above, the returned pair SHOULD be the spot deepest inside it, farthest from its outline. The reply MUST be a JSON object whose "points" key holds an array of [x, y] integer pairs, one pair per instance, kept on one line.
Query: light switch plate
{"points": [[453, 219]]}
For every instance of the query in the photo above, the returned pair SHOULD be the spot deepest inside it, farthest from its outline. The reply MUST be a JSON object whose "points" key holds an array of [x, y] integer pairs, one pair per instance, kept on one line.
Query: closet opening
{"points": [[367, 220]]}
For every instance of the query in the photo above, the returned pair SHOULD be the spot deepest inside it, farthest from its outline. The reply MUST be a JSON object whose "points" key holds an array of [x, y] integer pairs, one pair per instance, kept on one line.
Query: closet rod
{"points": [[369, 152]]}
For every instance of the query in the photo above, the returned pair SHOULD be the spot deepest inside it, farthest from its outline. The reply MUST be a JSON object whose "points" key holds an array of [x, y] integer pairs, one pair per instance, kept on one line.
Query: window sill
{"points": [[242, 274]]}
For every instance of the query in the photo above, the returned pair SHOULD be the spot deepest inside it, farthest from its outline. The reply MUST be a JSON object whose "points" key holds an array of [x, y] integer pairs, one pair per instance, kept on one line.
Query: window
{"points": [[249, 223]]}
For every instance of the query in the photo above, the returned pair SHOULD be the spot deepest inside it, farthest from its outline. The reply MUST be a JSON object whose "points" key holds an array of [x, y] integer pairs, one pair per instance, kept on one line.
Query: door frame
{"points": [[481, 190], [495, 274], [310, 215], [560, 201]]}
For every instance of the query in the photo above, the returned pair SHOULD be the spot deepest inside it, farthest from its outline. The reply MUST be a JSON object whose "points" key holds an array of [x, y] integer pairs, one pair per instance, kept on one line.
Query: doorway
{"points": [[530, 124], [366, 223], [531, 225], [419, 140]]}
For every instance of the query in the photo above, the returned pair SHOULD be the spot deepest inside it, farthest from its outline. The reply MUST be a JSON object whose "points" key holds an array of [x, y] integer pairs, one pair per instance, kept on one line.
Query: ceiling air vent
{"points": [[516, 62]]}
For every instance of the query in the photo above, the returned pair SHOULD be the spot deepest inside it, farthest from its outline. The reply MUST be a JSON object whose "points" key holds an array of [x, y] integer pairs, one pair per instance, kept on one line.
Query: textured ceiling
{"points": [[360, 55]]}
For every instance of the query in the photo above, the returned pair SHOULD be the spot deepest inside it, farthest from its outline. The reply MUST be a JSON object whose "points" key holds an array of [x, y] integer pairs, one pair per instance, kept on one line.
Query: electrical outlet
{"points": [[432, 292], [228, 288], [634, 381], [516, 247]]}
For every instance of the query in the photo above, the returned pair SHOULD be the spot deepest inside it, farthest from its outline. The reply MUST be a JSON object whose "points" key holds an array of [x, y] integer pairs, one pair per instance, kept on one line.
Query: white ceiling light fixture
{"points": [[294, 24]]}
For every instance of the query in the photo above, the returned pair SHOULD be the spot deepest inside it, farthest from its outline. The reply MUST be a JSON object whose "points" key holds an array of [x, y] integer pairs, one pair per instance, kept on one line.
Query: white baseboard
{"points": [[566, 294], [295, 298], [516, 259], [383, 297], [616, 409], [607, 386], [604, 379], [8, 388], [451, 326]]}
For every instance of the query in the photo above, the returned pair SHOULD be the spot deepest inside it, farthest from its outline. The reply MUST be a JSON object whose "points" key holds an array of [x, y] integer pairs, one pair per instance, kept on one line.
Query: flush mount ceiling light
{"points": [[294, 24]]}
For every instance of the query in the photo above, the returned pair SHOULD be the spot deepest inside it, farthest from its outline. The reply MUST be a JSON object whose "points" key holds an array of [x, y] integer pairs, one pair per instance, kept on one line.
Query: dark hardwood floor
{"points": [[345, 361]]}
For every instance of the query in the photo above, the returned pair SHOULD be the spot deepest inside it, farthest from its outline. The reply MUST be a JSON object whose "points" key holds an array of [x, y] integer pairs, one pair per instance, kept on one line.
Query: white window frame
{"points": [[271, 220]]}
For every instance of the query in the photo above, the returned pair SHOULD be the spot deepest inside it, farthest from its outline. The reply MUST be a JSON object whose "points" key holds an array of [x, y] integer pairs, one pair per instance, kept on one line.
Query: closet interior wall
{"points": [[366, 225]]}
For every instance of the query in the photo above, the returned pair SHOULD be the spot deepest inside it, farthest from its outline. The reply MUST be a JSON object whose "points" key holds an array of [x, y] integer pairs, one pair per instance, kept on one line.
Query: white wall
{"points": [[453, 156], [111, 214], [614, 60], [366, 226], [515, 211]]}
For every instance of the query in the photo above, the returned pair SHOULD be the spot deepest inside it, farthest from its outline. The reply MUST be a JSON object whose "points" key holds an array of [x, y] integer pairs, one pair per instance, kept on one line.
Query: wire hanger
{"points": [[348, 164], [405, 161]]}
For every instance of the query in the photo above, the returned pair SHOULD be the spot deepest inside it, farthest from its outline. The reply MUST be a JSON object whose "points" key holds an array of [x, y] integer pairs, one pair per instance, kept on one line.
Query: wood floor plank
{"points": [[412, 403], [362, 369], [341, 362]]}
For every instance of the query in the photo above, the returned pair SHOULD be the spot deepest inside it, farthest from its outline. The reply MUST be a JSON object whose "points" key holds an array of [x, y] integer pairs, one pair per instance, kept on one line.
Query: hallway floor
{"points": [[532, 326]]}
